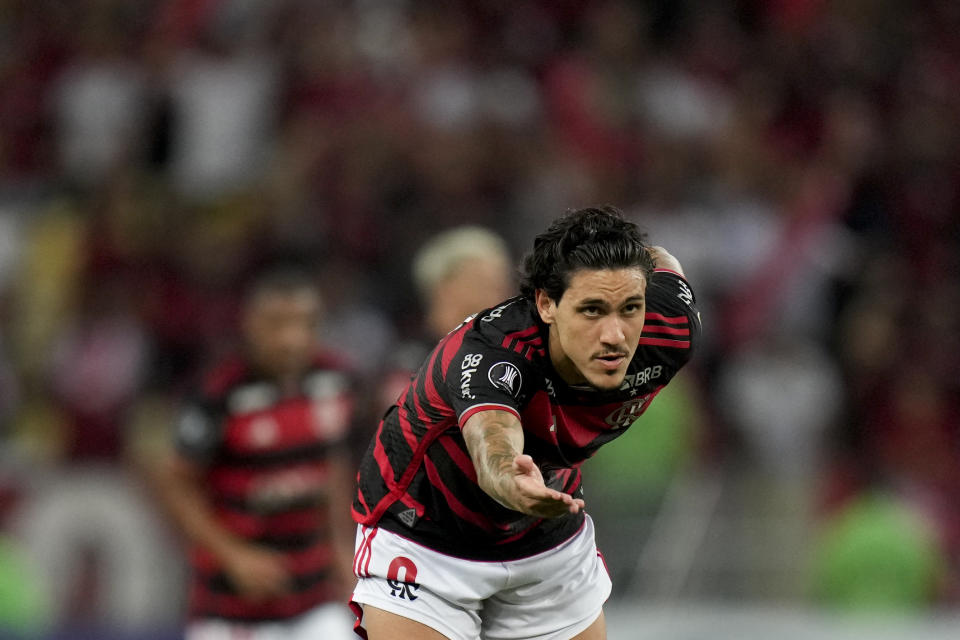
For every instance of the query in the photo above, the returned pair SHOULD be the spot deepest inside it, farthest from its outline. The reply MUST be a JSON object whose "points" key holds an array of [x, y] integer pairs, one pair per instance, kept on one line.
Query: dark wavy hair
{"points": [[280, 277], [591, 238]]}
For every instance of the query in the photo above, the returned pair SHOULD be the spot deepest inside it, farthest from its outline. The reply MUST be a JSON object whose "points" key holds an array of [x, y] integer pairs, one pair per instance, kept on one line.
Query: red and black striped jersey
{"points": [[417, 479], [266, 454]]}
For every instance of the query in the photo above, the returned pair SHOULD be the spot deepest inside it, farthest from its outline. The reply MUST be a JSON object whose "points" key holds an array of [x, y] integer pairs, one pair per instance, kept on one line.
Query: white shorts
{"points": [[553, 595], [331, 621]]}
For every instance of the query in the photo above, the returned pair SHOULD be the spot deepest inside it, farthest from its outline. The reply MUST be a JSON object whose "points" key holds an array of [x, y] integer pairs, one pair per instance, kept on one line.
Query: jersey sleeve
{"points": [[198, 432], [671, 329], [482, 376]]}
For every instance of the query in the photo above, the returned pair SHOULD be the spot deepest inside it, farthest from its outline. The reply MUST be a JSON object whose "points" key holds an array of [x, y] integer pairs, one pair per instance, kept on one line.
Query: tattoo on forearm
{"points": [[493, 448]]}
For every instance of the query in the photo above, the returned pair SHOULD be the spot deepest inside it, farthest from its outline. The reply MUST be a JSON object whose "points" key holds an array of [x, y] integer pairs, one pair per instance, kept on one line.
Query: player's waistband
{"points": [[548, 534]]}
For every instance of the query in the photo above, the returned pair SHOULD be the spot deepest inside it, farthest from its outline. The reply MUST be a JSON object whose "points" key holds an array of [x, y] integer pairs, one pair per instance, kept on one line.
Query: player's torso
{"points": [[275, 445], [267, 483], [563, 424]]}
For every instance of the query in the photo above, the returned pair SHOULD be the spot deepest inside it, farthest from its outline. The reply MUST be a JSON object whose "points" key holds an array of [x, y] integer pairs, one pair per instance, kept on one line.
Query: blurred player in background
{"points": [[456, 272], [470, 503], [260, 479]]}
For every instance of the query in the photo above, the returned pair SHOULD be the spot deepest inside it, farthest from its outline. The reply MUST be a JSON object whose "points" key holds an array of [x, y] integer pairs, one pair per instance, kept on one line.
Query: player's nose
{"points": [[612, 331]]}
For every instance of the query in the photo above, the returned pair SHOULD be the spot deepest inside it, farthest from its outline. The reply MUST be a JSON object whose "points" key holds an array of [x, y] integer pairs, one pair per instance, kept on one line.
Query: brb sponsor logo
{"points": [[629, 411], [467, 368], [506, 376], [641, 377], [404, 588]]}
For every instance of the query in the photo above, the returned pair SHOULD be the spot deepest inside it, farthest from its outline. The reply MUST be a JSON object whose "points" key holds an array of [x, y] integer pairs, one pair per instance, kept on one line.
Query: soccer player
{"points": [[470, 507], [457, 272], [261, 479]]}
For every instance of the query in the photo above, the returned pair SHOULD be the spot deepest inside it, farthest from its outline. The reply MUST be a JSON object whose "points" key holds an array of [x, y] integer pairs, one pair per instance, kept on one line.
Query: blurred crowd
{"points": [[800, 157]]}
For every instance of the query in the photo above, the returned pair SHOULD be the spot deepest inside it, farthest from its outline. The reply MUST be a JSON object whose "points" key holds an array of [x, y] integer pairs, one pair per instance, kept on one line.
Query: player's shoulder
{"points": [[512, 326], [330, 373], [671, 290], [513, 315], [671, 325], [225, 375], [332, 361], [494, 360]]}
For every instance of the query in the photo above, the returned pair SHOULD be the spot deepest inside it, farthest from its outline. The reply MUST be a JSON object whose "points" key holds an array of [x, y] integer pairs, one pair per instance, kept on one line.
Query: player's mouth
{"points": [[611, 361]]}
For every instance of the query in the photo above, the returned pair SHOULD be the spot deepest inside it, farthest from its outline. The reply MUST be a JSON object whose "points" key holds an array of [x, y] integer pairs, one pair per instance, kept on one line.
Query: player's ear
{"points": [[546, 307]]}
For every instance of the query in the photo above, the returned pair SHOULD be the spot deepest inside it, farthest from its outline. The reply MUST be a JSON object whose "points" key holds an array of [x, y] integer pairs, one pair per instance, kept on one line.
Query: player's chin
{"points": [[607, 380]]}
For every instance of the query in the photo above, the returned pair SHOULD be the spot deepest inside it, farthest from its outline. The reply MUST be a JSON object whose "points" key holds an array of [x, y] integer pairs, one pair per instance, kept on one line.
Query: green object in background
{"points": [[876, 555], [22, 609], [640, 463]]}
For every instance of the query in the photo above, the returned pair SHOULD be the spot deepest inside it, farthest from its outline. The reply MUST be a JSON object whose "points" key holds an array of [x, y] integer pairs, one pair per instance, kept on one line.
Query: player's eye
{"points": [[633, 308], [591, 311]]}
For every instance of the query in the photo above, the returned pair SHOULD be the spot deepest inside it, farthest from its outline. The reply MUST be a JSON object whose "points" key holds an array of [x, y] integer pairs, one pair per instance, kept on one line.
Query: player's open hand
{"points": [[532, 495]]}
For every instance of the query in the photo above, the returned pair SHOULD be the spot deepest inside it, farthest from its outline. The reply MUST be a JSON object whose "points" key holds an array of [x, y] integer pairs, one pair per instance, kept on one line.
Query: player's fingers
{"points": [[569, 503], [559, 496]]}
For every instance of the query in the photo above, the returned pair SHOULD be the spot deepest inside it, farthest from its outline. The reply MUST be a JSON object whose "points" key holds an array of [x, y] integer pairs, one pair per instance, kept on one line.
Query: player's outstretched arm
{"points": [[495, 442]]}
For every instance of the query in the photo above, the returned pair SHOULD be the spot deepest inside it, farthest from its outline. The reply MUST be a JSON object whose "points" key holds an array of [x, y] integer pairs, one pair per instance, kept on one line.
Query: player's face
{"points": [[281, 329], [596, 325], [478, 283]]}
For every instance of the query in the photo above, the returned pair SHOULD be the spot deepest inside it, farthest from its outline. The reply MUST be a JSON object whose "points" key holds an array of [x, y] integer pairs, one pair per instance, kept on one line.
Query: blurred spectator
{"points": [[100, 98], [877, 555], [783, 394], [359, 328], [98, 366], [224, 96]]}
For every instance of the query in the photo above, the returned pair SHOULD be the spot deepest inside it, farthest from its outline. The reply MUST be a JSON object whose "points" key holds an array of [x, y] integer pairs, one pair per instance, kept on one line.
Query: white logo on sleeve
{"points": [[685, 294], [467, 368], [506, 376]]}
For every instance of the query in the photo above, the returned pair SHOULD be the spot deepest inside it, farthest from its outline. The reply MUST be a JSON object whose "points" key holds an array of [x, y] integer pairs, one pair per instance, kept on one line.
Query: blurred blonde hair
{"points": [[445, 252]]}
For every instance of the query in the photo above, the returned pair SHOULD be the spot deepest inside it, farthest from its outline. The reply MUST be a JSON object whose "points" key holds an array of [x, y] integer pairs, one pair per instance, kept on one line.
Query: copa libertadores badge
{"points": [[506, 376]]}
